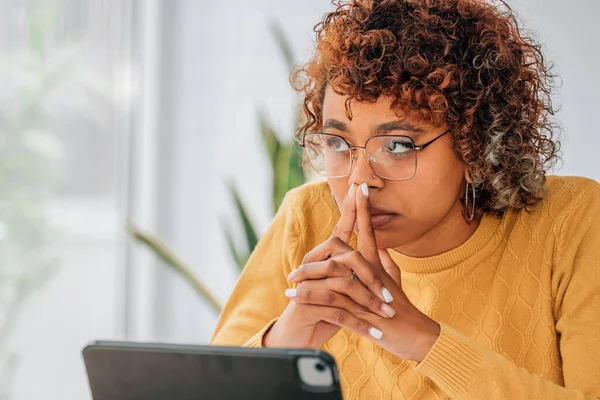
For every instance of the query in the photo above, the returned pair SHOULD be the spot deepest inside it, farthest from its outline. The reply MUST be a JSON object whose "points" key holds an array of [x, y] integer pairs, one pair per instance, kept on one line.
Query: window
{"points": [[66, 69]]}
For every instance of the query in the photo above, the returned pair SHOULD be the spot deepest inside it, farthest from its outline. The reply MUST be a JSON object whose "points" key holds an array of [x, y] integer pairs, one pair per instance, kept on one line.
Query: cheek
{"points": [[435, 188], [339, 188]]}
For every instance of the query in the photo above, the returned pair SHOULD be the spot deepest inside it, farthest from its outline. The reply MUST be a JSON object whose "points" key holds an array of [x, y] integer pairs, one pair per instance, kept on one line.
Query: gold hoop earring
{"points": [[470, 216]]}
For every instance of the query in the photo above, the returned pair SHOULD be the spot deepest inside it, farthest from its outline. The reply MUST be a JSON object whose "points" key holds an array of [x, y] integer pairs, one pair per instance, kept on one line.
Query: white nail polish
{"points": [[387, 296], [351, 189], [292, 275], [376, 333], [365, 189], [290, 293], [387, 310]]}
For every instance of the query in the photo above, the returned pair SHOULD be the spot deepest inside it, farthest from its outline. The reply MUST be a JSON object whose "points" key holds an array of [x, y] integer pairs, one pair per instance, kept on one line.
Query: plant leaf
{"points": [[269, 138], [282, 43], [250, 232], [163, 252], [296, 175], [281, 175], [240, 259], [289, 172]]}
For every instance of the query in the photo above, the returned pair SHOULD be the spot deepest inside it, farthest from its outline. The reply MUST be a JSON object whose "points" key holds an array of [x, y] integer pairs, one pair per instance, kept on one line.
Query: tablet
{"points": [[130, 370]]}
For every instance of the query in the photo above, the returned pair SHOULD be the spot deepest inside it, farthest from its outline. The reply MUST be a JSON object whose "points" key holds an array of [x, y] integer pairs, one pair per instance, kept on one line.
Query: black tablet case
{"points": [[127, 371]]}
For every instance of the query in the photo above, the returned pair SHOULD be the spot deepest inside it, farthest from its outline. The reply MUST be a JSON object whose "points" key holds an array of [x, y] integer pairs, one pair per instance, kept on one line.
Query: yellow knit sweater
{"points": [[518, 303]]}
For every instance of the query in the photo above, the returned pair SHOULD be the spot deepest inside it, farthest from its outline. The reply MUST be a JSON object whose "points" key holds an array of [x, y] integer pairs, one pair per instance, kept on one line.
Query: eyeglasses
{"points": [[390, 157]]}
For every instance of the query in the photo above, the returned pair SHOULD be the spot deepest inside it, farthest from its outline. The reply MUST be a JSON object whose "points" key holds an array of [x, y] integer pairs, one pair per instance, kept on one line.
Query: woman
{"points": [[437, 261]]}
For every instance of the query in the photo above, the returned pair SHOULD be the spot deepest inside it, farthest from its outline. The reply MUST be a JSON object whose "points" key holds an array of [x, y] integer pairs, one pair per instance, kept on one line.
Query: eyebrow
{"points": [[381, 129]]}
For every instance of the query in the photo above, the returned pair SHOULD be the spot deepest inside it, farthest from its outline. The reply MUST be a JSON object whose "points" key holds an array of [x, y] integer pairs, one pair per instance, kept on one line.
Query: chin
{"points": [[388, 239]]}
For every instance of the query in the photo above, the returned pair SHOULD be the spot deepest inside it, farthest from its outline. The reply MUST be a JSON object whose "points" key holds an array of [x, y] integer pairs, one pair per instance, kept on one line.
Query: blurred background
{"points": [[144, 146]]}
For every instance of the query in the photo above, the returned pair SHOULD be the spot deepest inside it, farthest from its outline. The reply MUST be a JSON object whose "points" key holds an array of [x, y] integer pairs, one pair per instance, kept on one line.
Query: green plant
{"points": [[287, 172], [28, 150], [163, 252], [286, 165], [39, 76]]}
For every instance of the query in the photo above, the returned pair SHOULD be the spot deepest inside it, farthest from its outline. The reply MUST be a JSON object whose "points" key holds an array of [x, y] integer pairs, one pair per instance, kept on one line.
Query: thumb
{"points": [[390, 266]]}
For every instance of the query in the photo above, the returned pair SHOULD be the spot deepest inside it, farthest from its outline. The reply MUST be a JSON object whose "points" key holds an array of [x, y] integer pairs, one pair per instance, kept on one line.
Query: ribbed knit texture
{"points": [[518, 303]]}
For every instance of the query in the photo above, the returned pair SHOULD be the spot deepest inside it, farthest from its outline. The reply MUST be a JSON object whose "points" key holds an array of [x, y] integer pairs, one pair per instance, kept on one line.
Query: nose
{"points": [[361, 171]]}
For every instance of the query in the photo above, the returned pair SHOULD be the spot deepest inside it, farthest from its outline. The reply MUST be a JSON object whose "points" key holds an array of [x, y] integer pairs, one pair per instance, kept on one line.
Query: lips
{"points": [[378, 211], [380, 217]]}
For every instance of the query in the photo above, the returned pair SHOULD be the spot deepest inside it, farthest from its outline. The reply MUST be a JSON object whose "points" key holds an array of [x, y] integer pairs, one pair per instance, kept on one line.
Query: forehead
{"points": [[334, 106]]}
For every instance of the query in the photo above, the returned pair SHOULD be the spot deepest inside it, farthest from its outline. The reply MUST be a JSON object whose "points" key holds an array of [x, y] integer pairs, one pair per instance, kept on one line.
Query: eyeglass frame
{"points": [[353, 158]]}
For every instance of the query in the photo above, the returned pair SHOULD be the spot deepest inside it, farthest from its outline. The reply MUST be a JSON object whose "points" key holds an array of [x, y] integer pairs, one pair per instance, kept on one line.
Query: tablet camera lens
{"points": [[319, 367]]}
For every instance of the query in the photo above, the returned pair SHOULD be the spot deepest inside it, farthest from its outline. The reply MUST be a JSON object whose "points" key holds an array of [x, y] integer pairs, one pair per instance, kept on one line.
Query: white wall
{"points": [[225, 66], [76, 306], [570, 33], [81, 140]]}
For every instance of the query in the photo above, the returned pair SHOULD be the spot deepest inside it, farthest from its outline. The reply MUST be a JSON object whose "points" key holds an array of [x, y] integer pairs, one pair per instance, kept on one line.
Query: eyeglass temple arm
{"points": [[421, 147]]}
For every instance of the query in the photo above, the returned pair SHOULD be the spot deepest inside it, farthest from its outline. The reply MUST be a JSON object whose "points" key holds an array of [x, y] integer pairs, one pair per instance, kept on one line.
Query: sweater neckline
{"points": [[479, 239]]}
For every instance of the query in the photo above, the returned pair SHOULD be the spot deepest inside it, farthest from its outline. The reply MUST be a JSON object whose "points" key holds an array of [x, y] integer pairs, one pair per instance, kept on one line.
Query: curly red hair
{"points": [[460, 62]]}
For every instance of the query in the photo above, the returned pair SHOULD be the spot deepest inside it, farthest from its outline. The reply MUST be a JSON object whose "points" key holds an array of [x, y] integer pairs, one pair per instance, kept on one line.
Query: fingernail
{"points": [[376, 333], [387, 296], [292, 275], [351, 189], [290, 293], [389, 311], [365, 189]]}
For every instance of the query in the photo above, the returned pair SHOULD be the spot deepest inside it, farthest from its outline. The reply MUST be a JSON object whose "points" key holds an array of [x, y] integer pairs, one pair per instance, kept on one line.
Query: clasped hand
{"points": [[360, 290]]}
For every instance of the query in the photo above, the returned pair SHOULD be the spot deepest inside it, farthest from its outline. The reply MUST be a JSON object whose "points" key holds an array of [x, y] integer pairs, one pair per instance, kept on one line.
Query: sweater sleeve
{"points": [[464, 369], [258, 297]]}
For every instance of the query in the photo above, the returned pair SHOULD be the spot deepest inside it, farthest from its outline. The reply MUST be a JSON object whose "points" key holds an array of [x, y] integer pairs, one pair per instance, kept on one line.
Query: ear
{"points": [[468, 175]]}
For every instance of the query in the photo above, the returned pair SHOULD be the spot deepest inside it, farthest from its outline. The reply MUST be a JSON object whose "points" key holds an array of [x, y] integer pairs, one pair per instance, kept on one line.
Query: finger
{"points": [[331, 247], [343, 293], [390, 266], [318, 270], [345, 225], [373, 278], [367, 244], [344, 319], [338, 242]]}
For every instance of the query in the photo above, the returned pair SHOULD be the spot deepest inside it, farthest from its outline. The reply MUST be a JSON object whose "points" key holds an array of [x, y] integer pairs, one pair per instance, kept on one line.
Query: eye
{"points": [[398, 147], [336, 144]]}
